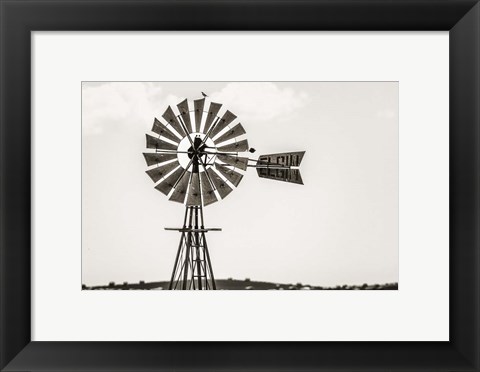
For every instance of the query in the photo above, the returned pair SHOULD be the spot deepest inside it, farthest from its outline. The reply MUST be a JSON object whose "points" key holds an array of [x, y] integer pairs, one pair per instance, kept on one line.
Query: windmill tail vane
{"points": [[196, 162], [281, 167]]}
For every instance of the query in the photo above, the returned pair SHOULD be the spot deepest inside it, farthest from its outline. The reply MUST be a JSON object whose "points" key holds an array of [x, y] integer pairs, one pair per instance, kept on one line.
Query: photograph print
{"points": [[240, 185]]}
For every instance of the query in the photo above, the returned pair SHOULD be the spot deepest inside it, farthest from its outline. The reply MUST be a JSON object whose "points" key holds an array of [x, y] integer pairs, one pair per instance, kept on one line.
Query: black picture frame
{"points": [[18, 18]]}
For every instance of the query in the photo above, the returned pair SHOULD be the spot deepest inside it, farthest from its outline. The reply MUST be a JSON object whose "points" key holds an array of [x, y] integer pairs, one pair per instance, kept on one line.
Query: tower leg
{"points": [[209, 264], [198, 258], [206, 254], [180, 247], [188, 247], [193, 267]]}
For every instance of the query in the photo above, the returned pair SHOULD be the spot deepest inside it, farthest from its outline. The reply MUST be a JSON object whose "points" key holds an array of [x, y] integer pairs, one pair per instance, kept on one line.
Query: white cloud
{"points": [[171, 100], [114, 105], [109, 105], [260, 102]]}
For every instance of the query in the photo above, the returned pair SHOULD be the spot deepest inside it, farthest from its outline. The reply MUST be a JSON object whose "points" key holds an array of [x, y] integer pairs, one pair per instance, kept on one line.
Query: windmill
{"points": [[197, 163]]}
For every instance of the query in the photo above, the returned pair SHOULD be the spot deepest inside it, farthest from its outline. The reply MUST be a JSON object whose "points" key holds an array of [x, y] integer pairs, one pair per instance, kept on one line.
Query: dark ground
{"points": [[233, 284]]}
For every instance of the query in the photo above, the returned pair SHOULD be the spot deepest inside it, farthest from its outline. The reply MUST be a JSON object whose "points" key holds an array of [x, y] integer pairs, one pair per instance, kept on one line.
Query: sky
{"points": [[340, 227]]}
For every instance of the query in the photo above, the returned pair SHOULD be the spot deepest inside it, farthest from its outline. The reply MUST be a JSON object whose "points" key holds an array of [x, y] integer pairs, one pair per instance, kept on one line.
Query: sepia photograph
{"points": [[305, 173], [240, 185]]}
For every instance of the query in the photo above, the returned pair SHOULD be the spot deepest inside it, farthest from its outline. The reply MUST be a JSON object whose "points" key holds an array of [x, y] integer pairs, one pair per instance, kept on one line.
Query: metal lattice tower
{"points": [[193, 267]]}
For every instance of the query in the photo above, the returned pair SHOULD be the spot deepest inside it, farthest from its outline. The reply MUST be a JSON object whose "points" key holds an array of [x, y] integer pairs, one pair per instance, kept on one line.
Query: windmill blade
{"points": [[236, 131], [226, 119], [156, 157], [158, 144], [212, 114], [198, 107], [229, 174], [180, 191], [185, 114], [240, 146], [167, 184], [291, 159], [208, 194], [220, 185], [162, 130], [194, 191], [285, 175], [162, 170], [171, 119], [236, 161]]}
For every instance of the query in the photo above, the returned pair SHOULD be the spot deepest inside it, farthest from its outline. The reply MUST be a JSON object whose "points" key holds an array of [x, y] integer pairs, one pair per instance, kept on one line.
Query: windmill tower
{"points": [[196, 162]]}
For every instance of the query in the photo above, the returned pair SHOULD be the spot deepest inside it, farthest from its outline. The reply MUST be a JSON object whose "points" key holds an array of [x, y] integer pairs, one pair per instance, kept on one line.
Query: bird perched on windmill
{"points": [[197, 161]]}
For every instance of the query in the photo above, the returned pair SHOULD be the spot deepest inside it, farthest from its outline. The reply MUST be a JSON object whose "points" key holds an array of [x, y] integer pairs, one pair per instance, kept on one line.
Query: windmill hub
{"points": [[193, 147], [197, 149]]}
